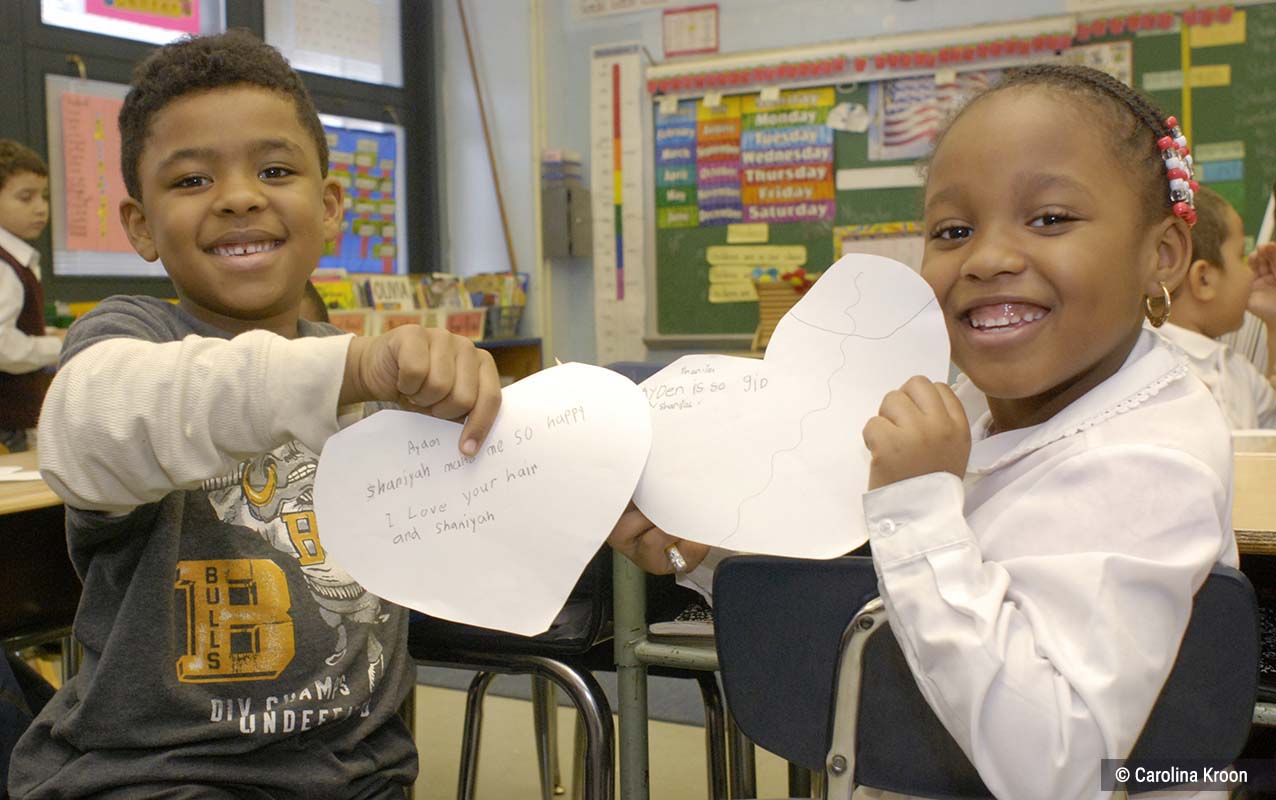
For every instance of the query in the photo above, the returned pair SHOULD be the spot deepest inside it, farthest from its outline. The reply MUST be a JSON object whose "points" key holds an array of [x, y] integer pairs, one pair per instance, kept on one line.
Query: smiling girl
{"points": [[1040, 529]]}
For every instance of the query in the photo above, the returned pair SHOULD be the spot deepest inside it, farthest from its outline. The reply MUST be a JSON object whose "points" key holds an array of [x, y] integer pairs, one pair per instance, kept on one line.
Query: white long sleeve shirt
{"points": [[170, 415], [1041, 601], [1247, 399], [20, 353]]}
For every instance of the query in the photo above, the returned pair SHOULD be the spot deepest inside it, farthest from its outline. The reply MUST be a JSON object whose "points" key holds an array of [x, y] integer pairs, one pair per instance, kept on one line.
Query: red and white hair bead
{"points": [[1178, 169]]}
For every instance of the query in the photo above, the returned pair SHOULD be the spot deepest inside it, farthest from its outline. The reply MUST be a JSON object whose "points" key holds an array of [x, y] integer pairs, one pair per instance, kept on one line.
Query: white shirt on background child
{"points": [[1247, 399], [1042, 599], [20, 353]]}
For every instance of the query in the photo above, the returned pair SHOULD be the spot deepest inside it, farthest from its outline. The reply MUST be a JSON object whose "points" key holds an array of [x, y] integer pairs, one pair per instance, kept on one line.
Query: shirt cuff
{"points": [[910, 518]]}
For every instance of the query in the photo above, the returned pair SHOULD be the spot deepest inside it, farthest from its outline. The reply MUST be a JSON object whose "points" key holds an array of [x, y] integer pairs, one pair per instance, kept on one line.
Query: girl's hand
{"points": [[920, 428], [1262, 298], [428, 370], [644, 544]]}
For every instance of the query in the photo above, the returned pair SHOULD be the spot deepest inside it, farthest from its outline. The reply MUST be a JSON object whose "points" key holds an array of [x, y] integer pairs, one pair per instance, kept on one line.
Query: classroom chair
{"points": [[577, 644], [553, 656], [811, 676]]}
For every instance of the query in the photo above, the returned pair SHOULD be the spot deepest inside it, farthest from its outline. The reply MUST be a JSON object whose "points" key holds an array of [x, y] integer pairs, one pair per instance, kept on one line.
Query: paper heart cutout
{"points": [[561, 462], [768, 456]]}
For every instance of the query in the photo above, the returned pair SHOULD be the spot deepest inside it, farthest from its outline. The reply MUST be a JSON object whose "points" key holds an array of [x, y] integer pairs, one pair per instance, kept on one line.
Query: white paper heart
{"points": [[499, 540], [767, 456]]}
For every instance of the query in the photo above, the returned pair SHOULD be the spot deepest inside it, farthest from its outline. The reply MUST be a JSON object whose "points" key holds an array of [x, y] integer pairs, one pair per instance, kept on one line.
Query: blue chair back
{"points": [[779, 626]]}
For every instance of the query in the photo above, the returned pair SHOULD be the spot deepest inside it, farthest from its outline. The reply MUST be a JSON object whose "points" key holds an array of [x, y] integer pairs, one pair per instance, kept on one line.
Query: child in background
{"points": [[1211, 302], [1040, 579], [224, 653], [25, 349]]}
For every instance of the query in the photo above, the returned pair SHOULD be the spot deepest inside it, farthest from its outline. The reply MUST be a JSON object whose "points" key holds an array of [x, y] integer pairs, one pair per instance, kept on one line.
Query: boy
{"points": [[1211, 302], [225, 654], [25, 350]]}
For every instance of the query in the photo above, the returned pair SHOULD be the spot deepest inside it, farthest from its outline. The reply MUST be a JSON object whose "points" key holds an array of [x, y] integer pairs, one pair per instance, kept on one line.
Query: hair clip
{"points": [[1178, 169]]}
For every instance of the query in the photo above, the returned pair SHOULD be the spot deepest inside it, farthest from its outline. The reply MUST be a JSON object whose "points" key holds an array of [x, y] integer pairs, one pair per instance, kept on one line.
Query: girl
{"points": [[1039, 579], [1041, 603]]}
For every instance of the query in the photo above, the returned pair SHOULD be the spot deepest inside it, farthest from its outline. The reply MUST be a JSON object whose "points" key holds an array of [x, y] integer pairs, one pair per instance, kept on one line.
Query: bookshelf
{"points": [[515, 358]]}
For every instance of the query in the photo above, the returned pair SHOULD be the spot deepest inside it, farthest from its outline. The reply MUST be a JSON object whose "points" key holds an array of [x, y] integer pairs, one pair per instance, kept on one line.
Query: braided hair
{"points": [[1134, 121]]}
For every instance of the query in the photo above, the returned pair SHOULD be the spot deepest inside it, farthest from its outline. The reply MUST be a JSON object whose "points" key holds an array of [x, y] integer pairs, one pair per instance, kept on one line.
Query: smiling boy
{"points": [[225, 653]]}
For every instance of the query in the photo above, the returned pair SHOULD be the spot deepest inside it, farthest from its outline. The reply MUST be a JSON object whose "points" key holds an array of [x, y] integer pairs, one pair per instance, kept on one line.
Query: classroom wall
{"points": [[470, 220], [503, 42]]}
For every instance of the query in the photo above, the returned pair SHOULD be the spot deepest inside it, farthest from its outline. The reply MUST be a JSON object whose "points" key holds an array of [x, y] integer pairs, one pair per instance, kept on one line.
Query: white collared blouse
{"points": [[1041, 601]]}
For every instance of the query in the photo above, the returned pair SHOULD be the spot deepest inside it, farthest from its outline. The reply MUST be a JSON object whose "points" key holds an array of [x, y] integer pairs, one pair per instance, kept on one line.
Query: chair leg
{"points": [[407, 712], [715, 735], [578, 759], [799, 781], [470, 737], [744, 774], [545, 720], [591, 703]]}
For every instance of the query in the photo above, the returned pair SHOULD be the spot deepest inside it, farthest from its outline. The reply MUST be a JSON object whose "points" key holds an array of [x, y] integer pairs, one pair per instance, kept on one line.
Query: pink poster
{"points": [[94, 185], [173, 15]]}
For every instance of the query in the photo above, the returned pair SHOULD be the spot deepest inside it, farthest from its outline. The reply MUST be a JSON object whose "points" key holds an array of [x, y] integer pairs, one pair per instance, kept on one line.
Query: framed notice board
{"points": [[757, 181]]}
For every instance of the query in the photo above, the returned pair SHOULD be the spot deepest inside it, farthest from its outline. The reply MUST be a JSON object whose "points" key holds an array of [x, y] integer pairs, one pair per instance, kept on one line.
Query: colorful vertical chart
{"points": [[718, 162], [92, 185], [617, 181], [787, 157], [676, 198], [618, 145], [364, 163]]}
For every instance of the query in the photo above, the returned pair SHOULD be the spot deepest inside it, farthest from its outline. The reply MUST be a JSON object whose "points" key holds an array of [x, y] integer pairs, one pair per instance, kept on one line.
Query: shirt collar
{"points": [[26, 255], [1152, 365], [1197, 345]]}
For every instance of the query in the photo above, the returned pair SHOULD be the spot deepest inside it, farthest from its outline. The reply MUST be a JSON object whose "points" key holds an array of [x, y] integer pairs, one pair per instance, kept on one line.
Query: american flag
{"points": [[908, 112]]}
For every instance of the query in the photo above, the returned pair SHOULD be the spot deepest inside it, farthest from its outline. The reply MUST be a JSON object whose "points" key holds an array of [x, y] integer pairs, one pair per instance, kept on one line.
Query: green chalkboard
{"points": [[1223, 119]]}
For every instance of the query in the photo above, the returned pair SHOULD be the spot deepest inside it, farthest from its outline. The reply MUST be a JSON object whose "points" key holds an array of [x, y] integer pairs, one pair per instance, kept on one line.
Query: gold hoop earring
{"points": [[1160, 316]]}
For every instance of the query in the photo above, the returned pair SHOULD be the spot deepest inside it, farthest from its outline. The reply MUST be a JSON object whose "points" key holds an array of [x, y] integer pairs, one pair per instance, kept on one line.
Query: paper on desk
{"points": [[767, 456], [498, 540], [9, 473]]}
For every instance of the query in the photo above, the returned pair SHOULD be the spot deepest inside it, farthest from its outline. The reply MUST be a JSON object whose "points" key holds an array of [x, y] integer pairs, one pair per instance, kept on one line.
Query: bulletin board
{"points": [[741, 186], [85, 181], [365, 157]]}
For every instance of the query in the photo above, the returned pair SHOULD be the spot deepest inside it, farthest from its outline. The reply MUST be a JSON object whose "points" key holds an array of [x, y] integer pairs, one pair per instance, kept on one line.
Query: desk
{"points": [[40, 589], [515, 358], [1254, 505], [1253, 517], [24, 495]]}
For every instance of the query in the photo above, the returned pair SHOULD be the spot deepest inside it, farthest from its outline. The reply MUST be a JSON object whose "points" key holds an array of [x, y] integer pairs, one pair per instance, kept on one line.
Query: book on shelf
{"points": [[390, 292]]}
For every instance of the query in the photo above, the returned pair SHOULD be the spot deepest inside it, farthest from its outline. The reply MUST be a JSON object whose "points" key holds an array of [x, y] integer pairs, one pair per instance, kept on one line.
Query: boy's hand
{"points": [[429, 370], [920, 428], [1262, 298], [644, 544]]}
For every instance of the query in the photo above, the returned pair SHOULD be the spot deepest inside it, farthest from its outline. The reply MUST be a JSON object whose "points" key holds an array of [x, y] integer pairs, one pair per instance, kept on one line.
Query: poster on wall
{"points": [[363, 157], [152, 21], [1114, 58], [85, 180], [174, 15], [907, 113], [903, 241], [727, 160], [92, 185], [618, 127]]}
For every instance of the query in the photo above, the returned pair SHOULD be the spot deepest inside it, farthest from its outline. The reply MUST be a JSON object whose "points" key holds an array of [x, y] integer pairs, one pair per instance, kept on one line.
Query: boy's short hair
{"points": [[202, 63], [16, 157], [1211, 226]]}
